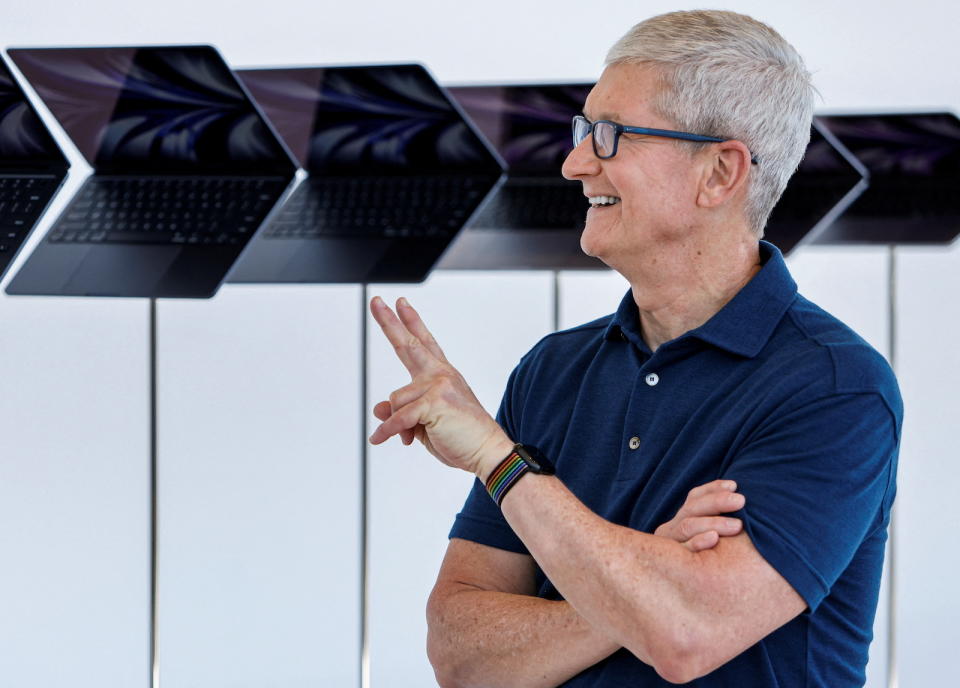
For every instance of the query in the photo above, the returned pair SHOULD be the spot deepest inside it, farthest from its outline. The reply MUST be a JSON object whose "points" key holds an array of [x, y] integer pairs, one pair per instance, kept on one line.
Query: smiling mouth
{"points": [[602, 201]]}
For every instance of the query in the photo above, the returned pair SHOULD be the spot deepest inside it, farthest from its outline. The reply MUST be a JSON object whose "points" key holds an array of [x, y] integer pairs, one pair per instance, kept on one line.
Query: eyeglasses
{"points": [[606, 135]]}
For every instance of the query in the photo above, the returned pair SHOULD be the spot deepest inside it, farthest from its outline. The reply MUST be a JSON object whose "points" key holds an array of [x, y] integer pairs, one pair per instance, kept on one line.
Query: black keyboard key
{"points": [[422, 206], [168, 210], [530, 203], [22, 199], [128, 237]]}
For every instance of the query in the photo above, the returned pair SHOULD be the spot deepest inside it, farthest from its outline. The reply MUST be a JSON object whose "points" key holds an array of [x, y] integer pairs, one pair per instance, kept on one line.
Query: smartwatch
{"points": [[522, 460]]}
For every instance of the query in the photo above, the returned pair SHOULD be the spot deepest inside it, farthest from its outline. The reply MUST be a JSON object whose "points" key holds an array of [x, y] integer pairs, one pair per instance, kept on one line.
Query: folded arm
{"points": [[684, 613], [487, 629]]}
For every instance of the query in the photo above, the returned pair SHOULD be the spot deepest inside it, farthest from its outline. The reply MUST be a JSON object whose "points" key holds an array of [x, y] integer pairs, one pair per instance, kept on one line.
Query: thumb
{"points": [[702, 541]]}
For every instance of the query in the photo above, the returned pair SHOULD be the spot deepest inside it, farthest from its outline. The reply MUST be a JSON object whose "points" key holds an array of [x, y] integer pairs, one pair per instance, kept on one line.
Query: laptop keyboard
{"points": [[431, 206], [22, 199], [168, 210], [535, 204]]}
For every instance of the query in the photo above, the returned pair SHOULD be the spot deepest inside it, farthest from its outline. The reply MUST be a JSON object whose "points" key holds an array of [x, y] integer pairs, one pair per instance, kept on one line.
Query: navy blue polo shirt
{"points": [[772, 392]]}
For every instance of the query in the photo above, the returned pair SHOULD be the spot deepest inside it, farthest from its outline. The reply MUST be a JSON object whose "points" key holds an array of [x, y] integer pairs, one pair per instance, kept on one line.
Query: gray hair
{"points": [[725, 74]]}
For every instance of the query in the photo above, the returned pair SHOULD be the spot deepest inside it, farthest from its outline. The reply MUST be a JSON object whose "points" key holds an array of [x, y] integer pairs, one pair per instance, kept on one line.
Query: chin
{"points": [[585, 246], [591, 240]]}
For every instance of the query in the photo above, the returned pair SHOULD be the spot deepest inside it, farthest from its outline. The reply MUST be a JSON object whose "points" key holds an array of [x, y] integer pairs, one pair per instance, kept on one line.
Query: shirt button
{"points": [[652, 379], [634, 443]]}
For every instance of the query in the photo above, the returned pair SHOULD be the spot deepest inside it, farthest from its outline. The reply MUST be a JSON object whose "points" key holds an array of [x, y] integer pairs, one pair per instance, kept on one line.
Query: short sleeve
{"points": [[818, 479], [481, 520]]}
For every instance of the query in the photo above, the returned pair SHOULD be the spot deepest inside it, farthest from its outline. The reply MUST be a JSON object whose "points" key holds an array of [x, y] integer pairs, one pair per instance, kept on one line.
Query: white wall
{"points": [[928, 283], [259, 439], [74, 507], [259, 488]]}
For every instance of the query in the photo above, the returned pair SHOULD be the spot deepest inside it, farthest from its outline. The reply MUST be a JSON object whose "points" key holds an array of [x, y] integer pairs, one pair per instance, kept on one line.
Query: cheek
{"points": [[667, 198]]}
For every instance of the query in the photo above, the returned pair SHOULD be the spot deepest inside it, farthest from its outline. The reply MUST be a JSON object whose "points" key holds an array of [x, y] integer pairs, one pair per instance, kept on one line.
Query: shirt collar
{"points": [[743, 326]]}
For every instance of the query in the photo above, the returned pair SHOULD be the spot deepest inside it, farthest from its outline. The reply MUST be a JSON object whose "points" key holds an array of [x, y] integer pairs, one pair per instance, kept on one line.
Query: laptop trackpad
{"points": [[119, 270], [335, 260]]}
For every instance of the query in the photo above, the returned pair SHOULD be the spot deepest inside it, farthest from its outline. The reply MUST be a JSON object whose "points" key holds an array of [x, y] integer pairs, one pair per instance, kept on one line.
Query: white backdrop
{"points": [[259, 388]]}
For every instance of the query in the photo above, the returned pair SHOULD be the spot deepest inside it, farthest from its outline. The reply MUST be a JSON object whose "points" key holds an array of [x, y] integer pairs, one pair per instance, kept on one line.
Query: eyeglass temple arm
{"points": [[669, 133]]}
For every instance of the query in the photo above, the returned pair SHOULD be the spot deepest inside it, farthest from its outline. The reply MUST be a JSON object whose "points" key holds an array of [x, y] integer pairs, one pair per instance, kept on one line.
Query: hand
{"points": [[698, 524], [437, 407]]}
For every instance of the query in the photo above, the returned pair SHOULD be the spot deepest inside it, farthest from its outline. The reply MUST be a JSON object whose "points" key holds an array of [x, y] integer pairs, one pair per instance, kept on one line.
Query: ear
{"points": [[726, 167]]}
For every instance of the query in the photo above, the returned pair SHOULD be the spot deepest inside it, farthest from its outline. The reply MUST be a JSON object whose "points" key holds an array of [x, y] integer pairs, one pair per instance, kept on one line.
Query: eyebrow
{"points": [[612, 117]]}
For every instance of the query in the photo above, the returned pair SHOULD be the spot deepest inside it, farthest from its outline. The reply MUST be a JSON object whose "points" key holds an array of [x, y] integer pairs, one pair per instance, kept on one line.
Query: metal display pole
{"points": [[892, 678], [154, 659], [364, 493], [556, 300]]}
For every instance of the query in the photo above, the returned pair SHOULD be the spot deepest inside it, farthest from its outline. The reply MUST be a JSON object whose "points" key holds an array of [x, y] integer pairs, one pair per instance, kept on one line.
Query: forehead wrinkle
{"points": [[592, 100], [633, 86]]}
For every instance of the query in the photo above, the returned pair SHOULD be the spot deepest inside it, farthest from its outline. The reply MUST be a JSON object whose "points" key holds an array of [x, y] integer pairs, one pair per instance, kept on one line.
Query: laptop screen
{"points": [[904, 146], [23, 137], [826, 181], [154, 110], [529, 125], [823, 158], [392, 119]]}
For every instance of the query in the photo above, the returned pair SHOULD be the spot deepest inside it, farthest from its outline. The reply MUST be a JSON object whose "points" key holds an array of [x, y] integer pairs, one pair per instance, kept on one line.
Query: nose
{"points": [[581, 162]]}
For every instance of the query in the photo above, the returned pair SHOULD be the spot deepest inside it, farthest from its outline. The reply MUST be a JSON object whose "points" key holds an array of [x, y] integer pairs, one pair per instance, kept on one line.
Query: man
{"points": [[712, 368]]}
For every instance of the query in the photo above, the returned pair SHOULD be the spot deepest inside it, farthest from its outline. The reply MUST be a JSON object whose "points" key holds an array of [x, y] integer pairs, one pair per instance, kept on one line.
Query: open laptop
{"points": [[394, 168], [185, 169], [535, 219], [827, 181], [32, 168], [914, 163]]}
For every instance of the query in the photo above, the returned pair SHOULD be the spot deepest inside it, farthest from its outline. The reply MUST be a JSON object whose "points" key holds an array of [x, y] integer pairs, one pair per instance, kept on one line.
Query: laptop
{"points": [[32, 168], [394, 171], [185, 169], [828, 180], [914, 163], [535, 219]]}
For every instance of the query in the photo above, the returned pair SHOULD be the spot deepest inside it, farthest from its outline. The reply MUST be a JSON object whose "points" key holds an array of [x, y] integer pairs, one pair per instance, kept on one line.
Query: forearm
{"points": [[639, 589], [494, 639]]}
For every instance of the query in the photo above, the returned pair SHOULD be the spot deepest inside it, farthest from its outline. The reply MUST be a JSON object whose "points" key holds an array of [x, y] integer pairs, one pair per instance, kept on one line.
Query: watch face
{"points": [[535, 459]]}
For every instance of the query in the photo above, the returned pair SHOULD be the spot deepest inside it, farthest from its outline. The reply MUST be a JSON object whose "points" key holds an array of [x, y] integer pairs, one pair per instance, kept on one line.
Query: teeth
{"points": [[597, 201]]}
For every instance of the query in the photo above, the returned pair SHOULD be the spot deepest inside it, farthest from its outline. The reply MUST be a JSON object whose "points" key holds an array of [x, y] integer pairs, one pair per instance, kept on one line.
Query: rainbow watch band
{"points": [[505, 476]]}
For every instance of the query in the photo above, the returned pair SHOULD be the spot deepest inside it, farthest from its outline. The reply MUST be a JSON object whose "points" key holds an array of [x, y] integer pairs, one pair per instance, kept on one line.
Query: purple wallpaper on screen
{"points": [[377, 119], [152, 108], [915, 145], [529, 125], [22, 135]]}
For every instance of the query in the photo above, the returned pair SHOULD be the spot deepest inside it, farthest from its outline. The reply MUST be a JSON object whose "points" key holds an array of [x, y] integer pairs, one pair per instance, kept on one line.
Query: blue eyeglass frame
{"points": [[623, 129]]}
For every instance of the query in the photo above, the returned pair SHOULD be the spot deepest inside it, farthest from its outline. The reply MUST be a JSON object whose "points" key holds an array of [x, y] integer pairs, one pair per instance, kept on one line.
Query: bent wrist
{"points": [[492, 454]]}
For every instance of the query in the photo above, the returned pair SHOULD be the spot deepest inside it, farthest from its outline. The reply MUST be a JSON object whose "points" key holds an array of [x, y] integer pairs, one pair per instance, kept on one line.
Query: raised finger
{"points": [[410, 350], [406, 418], [713, 503], [415, 325]]}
